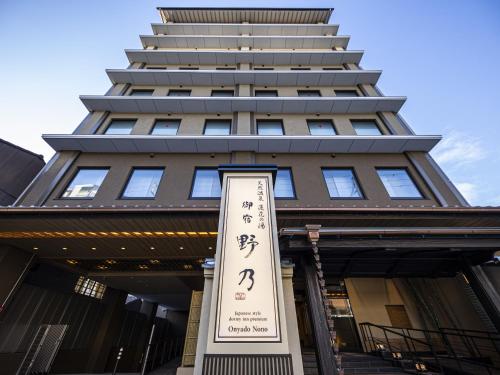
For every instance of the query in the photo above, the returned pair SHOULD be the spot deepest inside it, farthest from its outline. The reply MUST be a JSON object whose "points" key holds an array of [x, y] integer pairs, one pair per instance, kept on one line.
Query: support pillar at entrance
{"points": [[14, 264]]}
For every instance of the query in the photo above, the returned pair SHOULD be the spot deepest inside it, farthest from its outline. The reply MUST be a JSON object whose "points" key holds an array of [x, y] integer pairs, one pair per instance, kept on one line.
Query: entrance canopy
{"points": [[360, 242]]}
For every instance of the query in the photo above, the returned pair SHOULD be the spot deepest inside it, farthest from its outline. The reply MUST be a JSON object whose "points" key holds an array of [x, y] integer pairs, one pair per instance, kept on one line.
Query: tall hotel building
{"points": [[111, 258]]}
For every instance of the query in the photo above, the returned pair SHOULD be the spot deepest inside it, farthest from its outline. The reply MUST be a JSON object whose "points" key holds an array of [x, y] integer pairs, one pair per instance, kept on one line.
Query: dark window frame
{"points": [[193, 180], [141, 90], [334, 127], [293, 186], [188, 68], [299, 68], [179, 90], [119, 119], [269, 120], [356, 178], [225, 68], [164, 119], [225, 120], [352, 121], [221, 90], [127, 181], [412, 179], [310, 96], [73, 175], [265, 96], [262, 68], [358, 95]]}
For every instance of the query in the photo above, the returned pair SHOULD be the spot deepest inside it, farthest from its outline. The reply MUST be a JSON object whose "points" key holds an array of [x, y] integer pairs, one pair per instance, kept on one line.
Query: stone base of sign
{"points": [[291, 322], [185, 371]]}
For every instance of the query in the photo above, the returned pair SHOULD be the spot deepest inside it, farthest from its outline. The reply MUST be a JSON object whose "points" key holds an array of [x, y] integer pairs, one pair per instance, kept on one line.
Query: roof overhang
{"points": [[239, 29], [363, 236], [255, 143], [291, 105], [231, 41], [244, 57], [250, 15], [239, 77]]}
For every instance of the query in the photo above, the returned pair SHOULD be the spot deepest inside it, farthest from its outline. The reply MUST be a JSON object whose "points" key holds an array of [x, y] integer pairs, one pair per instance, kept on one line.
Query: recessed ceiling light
{"points": [[123, 248], [65, 248], [35, 248], [152, 248], [93, 248], [210, 248], [181, 248]]}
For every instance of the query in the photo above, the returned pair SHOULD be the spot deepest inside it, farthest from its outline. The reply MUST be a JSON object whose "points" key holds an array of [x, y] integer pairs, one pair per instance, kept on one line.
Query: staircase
{"points": [[352, 363]]}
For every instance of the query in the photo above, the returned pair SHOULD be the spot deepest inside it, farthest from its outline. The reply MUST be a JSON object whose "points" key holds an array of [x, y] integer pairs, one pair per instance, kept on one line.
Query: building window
{"points": [[165, 127], [85, 183], [283, 187], [346, 93], [141, 92], [263, 68], [206, 184], [321, 127], [217, 127], [264, 93], [226, 68], [120, 127], [156, 67], [342, 183], [300, 68], [334, 68], [398, 183], [179, 93], [188, 68], [270, 127], [143, 183], [222, 93], [365, 127], [315, 93], [89, 288]]}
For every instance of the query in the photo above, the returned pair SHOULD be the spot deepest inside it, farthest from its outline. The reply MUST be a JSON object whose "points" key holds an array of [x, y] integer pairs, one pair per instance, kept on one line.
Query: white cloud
{"points": [[469, 191], [459, 148]]}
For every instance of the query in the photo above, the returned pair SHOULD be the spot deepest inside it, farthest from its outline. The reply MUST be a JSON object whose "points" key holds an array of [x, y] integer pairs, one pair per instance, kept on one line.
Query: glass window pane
{"points": [[365, 127], [86, 183], [141, 93], [346, 93], [118, 127], [179, 93], [166, 127], [269, 128], [206, 184], [321, 127], [341, 183], [398, 183], [143, 183], [217, 127], [266, 93], [283, 187], [314, 93], [222, 93]]}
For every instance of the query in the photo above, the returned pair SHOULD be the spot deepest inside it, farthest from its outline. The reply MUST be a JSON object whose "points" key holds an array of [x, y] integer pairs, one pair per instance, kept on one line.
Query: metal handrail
{"points": [[445, 348]]}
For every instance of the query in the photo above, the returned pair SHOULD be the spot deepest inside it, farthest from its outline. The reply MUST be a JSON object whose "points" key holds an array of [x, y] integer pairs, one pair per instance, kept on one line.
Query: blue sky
{"points": [[443, 55]]}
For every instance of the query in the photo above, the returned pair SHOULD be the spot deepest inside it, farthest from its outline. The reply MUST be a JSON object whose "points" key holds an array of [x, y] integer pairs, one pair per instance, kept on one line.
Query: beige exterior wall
{"points": [[175, 186]]}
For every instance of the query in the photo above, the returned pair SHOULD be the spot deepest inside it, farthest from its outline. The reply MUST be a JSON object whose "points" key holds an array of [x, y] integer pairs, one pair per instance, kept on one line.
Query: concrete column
{"points": [[109, 328], [291, 320], [201, 345], [14, 265]]}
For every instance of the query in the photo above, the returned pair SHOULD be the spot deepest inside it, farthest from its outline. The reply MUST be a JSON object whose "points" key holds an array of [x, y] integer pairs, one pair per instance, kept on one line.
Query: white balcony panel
{"points": [[157, 104], [239, 29], [233, 77], [248, 57], [226, 41], [255, 143]]}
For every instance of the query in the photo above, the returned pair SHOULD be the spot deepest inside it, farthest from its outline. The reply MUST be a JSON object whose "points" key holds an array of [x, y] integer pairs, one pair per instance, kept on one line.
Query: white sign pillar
{"points": [[247, 308]]}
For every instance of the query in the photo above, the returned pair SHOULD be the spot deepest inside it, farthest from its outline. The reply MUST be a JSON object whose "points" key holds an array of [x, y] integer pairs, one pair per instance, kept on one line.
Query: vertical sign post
{"points": [[247, 305]]}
